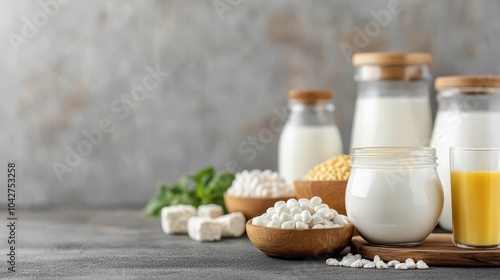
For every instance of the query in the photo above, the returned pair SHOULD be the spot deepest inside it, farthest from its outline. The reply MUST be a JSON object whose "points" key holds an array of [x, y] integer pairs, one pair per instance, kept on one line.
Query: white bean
{"points": [[410, 263], [273, 224], [315, 201], [401, 266], [306, 216], [332, 261], [316, 219], [308, 208], [365, 261], [345, 219], [321, 206], [326, 222], [422, 265], [338, 220], [393, 263], [369, 265], [297, 218], [301, 225], [292, 202], [270, 209], [347, 262], [323, 212], [258, 221], [357, 264], [279, 203], [296, 210], [330, 214], [288, 225], [285, 217], [282, 209], [381, 265]]}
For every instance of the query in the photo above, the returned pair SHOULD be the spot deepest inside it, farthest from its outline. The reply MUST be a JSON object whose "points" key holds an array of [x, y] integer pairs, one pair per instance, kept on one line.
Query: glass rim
{"points": [[378, 150], [390, 157], [478, 149]]}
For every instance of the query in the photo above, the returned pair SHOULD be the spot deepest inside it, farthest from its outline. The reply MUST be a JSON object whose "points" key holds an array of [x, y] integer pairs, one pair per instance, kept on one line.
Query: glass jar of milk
{"points": [[468, 116], [394, 196], [392, 106], [310, 135]]}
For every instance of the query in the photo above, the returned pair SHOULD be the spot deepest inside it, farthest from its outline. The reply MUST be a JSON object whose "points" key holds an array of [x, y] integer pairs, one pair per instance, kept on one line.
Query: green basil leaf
{"points": [[219, 185], [162, 199], [201, 188], [204, 176], [183, 182]]}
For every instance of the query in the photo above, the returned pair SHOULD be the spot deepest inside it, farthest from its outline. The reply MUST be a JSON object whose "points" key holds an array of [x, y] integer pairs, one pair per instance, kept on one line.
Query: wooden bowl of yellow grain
{"points": [[299, 243], [331, 192]]}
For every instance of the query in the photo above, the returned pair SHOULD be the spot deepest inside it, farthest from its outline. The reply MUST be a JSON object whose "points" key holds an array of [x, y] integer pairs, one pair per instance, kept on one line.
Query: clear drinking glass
{"points": [[475, 197]]}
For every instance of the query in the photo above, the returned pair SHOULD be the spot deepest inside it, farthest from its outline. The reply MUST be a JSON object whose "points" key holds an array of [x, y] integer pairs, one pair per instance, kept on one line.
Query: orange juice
{"points": [[476, 208]]}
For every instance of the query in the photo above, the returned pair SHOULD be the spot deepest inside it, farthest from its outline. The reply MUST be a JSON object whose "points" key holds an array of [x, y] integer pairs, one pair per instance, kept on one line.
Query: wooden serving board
{"points": [[437, 249]]}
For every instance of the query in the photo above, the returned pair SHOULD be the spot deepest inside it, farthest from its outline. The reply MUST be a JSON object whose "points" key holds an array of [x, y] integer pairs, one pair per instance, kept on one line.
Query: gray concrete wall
{"points": [[224, 68]]}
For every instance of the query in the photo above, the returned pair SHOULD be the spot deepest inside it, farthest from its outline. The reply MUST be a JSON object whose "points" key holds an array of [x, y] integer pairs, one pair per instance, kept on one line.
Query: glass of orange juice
{"points": [[475, 197]]}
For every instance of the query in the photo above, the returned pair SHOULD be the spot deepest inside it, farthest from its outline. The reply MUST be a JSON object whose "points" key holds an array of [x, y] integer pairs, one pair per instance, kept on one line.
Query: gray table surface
{"points": [[120, 244]]}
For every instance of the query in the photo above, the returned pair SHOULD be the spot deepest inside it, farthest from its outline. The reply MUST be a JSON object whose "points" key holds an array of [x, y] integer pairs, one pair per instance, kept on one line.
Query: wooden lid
{"points": [[309, 95], [391, 72], [391, 58], [485, 81]]}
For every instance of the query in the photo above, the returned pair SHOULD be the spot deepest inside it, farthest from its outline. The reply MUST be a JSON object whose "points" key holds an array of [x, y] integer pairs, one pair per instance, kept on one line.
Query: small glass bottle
{"points": [[392, 105], [468, 116], [310, 135]]}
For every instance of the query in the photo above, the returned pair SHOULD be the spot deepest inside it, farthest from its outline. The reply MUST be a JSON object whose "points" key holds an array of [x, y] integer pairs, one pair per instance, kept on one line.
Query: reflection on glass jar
{"points": [[394, 196]]}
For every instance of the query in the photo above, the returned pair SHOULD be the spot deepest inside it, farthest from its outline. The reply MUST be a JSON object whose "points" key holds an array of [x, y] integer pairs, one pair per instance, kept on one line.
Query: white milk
{"points": [[391, 121], [301, 148], [461, 129], [394, 207]]}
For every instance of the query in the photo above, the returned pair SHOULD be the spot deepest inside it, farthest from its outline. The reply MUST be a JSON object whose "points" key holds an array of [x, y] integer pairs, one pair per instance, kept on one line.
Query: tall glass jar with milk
{"points": [[468, 116], [310, 135], [392, 106]]}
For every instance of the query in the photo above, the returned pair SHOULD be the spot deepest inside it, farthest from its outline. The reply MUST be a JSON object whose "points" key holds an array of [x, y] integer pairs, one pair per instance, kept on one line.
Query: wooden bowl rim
{"points": [[249, 224], [308, 181], [278, 198]]}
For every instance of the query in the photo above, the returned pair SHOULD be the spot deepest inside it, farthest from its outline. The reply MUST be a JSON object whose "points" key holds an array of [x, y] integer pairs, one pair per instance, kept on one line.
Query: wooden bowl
{"points": [[331, 192], [299, 243], [251, 206]]}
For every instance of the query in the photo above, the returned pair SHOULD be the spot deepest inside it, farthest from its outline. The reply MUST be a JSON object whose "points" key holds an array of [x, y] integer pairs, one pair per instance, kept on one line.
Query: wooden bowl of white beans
{"points": [[300, 243]]}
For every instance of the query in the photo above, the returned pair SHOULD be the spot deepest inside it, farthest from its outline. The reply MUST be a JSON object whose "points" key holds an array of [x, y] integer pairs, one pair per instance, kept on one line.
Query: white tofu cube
{"points": [[174, 219], [210, 211], [203, 229], [232, 225]]}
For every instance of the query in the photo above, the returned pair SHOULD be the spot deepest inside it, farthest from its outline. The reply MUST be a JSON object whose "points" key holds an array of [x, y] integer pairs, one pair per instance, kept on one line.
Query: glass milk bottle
{"points": [[468, 116], [310, 135], [392, 106]]}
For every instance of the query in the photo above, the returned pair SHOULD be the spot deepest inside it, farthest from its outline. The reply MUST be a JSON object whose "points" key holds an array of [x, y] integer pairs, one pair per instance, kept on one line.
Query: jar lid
{"points": [[392, 73], [309, 95], [485, 81], [391, 58]]}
